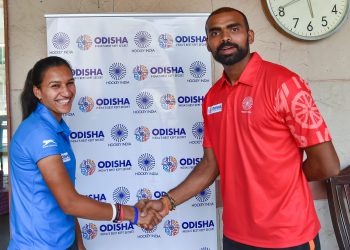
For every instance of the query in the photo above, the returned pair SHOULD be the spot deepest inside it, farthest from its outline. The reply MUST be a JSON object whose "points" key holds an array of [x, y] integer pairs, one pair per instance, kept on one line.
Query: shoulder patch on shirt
{"points": [[215, 109], [65, 157], [49, 143]]}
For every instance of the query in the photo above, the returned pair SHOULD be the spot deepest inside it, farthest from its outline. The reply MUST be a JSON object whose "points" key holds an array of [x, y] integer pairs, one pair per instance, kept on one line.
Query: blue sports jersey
{"points": [[37, 221]]}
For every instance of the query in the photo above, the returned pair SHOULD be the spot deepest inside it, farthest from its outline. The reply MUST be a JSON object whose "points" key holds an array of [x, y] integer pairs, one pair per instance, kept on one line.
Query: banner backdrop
{"points": [[136, 122]]}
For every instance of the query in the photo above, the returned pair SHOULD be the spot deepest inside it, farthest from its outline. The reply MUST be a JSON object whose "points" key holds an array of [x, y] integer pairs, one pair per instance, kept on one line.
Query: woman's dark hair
{"points": [[34, 78]]}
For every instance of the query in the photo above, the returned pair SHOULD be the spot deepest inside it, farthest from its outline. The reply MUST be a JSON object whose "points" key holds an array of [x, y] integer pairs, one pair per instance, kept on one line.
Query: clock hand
{"points": [[310, 8], [289, 3]]}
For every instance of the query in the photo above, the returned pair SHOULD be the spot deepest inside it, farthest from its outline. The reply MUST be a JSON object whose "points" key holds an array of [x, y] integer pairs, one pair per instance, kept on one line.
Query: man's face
{"points": [[228, 38]]}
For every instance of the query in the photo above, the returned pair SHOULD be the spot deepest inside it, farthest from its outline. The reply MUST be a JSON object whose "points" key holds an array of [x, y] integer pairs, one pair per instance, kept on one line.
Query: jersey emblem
{"points": [[247, 104], [215, 109], [49, 143], [65, 157]]}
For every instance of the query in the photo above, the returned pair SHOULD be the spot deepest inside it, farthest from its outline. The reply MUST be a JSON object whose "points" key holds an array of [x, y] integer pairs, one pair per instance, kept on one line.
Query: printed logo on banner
{"points": [[189, 163], [144, 193], [121, 195], [171, 227], [168, 133], [114, 165], [190, 101], [190, 40], [113, 103], [89, 231], [61, 41], [197, 132], [146, 163], [167, 72], [169, 164], [197, 226], [142, 134], [97, 197], [87, 167], [140, 72], [87, 73], [85, 104], [165, 41], [198, 71], [119, 133], [144, 101], [167, 101], [121, 228], [147, 234], [203, 198], [111, 41], [84, 42], [205, 248], [87, 136], [143, 40], [117, 71]]}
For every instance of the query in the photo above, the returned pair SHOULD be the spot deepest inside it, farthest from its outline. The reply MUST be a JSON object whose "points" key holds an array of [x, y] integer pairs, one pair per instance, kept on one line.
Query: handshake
{"points": [[151, 212]]}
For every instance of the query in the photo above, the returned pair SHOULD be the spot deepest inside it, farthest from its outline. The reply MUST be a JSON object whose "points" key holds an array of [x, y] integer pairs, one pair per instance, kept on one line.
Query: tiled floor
{"points": [[4, 231]]}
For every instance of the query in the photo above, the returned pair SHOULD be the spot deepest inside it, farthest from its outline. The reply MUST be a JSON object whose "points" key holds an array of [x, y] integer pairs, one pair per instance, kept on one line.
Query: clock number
{"points": [[324, 21], [334, 10], [309, 27], [281, 11], [296, 21]]}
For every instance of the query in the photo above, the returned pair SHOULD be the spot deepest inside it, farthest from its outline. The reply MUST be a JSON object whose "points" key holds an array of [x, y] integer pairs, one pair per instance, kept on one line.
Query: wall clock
{"points": [[307, 19]]}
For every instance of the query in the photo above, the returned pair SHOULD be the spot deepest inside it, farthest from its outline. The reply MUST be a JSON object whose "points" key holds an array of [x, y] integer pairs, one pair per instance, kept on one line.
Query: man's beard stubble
{"points": [[233, 58]]}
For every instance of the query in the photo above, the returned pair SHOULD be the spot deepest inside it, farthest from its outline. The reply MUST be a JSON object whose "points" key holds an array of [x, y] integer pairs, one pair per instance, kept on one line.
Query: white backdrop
{"points": [[136, 122]]}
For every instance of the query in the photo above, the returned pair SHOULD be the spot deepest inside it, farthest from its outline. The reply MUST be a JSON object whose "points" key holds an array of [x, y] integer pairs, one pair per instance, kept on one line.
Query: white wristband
{"points": [[114, 212]]}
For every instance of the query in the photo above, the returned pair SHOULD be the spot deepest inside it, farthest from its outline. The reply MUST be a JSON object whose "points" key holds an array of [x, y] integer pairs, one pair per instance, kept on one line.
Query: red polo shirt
{"points": [[258, 128]]}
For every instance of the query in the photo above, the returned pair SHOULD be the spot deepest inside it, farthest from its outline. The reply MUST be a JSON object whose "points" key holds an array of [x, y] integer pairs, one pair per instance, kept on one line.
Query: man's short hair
{"points": [[223, 10]]}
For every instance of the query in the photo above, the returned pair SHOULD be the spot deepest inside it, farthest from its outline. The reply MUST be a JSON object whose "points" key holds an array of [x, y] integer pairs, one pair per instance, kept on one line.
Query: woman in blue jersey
{"points": [[44, 202]]}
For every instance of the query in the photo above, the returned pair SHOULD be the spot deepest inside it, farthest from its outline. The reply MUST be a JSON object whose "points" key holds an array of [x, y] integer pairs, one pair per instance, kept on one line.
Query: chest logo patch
{"points": [[247, 104], [215, 109], [49, 143], [65, 157]]}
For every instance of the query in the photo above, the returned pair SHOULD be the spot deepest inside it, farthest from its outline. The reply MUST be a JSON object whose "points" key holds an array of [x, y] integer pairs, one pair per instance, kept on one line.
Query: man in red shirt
{"points": [[259, 119]]}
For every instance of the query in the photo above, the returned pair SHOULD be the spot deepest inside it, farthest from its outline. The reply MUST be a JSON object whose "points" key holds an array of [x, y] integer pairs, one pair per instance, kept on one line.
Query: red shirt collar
{"points": [[249, 74]]}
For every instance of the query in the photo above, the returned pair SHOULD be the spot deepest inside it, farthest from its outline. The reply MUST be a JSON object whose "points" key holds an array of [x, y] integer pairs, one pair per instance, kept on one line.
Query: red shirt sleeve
{"points": [[298, 110]]}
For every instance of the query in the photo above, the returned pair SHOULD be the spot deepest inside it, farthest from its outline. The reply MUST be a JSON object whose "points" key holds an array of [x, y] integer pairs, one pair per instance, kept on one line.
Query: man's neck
{"points": [[233, 72]]}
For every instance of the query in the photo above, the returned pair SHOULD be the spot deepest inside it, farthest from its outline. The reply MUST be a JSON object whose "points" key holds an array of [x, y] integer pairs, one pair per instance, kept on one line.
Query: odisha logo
{"points": [[87, 167], [60, 41], [165, 41], [144, 193], [169, 163], [198, 130], [89, 231], [204, 195], [149, 231], [247, 103], [143, 39], [84, 42], [167, 101], [171, 227], [119, 132], [198, 69], [121, 195], [85, 104], [140, 72], [144, 100], [142, 133], [146, 162], [117, 71]]}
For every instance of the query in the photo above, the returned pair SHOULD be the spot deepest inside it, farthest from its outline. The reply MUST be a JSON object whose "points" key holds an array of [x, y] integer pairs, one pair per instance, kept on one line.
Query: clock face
{"points": [[308, 19]]}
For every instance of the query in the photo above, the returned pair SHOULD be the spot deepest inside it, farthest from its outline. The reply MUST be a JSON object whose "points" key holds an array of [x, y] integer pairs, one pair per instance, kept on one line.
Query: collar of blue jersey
{"points": [[47, 116], [250, 72]]}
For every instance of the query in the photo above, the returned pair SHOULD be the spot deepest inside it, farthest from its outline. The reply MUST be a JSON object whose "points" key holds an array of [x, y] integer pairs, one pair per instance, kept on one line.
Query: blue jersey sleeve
{"points": [[41, 143]]}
